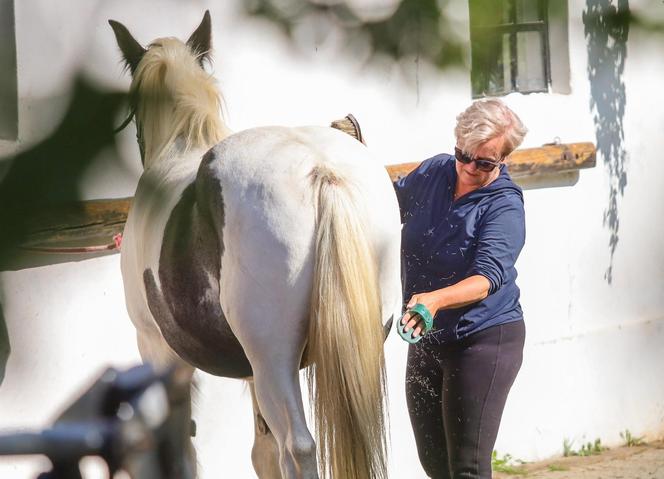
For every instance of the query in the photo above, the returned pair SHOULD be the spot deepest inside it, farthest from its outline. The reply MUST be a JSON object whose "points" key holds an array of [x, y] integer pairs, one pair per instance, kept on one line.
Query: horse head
{"points": [[171, 94]]}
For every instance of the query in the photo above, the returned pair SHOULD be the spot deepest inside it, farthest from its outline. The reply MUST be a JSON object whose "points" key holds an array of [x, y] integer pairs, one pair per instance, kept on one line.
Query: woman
{"points": [[463, 231]]}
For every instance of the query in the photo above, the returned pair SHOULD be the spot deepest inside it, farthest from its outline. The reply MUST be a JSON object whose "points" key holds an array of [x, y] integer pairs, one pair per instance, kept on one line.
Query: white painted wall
{"points": [[593, 348]]}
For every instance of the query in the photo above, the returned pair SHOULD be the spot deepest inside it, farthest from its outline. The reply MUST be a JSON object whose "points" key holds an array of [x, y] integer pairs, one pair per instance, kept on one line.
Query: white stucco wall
{"points": [[593, 347]]}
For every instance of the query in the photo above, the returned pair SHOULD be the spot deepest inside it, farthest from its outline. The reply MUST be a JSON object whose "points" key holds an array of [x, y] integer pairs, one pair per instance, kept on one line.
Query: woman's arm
{"points": [[467, 291]]}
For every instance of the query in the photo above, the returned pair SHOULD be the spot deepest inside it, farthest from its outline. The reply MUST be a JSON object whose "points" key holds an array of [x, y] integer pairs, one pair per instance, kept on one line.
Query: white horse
{"points": [[253, 254]]}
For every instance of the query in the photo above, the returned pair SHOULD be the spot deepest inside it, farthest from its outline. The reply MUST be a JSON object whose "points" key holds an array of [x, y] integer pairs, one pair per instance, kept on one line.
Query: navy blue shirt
{"points": [[445, 241]]}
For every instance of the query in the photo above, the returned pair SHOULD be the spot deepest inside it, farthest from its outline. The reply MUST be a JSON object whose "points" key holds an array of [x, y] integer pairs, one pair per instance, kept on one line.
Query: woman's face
{"points": [[468, 176]]}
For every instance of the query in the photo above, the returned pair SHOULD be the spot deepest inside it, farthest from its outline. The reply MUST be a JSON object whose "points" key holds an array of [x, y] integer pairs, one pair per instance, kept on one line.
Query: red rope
{"points": [[116, 244]]}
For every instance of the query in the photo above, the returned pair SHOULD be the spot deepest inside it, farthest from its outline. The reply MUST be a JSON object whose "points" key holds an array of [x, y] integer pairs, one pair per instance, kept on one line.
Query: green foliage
{"points": [[418, 28], [507, 464], [422, 28], [590, 449], [631, 441], [587, 449], [567, 448], [556, 468]]}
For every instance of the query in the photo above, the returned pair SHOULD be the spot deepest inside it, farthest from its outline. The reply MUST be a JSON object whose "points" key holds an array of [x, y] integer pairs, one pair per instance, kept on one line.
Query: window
{"points": [[511, 46], [8, 83]]}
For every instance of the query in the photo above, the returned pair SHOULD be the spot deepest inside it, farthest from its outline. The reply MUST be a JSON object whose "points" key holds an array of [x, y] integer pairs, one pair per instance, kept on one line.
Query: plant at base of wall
{"points": [[587, 449], [556, 468], [631, 441], [507, 464]]}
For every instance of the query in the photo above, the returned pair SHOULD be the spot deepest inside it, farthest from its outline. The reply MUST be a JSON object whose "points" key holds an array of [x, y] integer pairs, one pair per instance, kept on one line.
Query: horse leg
{"points": [[280, 401], [154, 349], [265, 453], [273, 334]]}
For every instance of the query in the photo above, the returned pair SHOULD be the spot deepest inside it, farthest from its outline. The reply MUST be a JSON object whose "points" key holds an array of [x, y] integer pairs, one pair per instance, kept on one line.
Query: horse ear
{"points": [[200, 42], [132, 51]]}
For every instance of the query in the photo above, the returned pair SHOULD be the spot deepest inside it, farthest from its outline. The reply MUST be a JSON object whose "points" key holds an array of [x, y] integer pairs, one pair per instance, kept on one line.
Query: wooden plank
{"points": [[551, 159], [544, 160], [81, 227], [90, 226]]}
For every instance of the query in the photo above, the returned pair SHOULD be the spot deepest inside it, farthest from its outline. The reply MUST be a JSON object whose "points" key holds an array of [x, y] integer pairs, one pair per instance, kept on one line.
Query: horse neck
{"points": [[170, 133], [173, 123], [176, 100]]}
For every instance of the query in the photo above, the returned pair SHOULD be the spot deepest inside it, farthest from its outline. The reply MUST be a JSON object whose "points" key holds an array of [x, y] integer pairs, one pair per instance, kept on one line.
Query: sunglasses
{"points": [[482, 164]]}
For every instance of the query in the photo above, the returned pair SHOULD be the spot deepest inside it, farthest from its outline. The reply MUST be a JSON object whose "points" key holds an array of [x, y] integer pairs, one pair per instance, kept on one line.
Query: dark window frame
{"points": [[8, 73], [483, 67]]}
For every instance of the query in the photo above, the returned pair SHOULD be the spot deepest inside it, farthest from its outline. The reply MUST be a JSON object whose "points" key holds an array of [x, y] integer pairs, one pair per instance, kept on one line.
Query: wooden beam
{"points": [[544, 160], [90, 226], [81, 227], [551, 159]]}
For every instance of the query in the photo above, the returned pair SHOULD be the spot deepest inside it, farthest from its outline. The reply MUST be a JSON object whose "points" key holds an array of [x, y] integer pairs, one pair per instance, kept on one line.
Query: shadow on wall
{"points": [[552, 180], [49, 173], [606, 27]]}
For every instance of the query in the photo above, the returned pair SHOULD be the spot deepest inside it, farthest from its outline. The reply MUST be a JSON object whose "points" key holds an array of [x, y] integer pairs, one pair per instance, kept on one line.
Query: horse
{"points": [[257, 253]]}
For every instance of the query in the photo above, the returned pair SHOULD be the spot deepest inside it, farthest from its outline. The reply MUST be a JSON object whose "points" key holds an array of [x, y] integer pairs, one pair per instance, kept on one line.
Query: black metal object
{"points": [[137, 420]]}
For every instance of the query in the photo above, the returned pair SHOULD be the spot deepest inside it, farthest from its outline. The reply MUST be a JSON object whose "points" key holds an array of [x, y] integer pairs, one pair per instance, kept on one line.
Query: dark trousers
{"points": [[456, 394]]}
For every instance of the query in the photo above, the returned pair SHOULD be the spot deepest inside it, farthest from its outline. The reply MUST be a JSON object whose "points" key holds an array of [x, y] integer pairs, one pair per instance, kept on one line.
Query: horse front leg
{"points": [[154, 350]]}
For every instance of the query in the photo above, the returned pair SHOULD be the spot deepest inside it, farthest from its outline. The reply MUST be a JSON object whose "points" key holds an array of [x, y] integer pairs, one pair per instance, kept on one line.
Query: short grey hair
{"points": [[486, 119]]}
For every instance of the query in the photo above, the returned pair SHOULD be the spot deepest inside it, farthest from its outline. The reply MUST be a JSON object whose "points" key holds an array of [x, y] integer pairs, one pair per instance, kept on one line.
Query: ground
{"points": [[638, 462]]}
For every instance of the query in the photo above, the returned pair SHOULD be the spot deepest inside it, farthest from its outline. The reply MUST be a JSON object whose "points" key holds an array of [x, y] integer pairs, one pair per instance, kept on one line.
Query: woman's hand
{"points": [[430, 300], [470, 290]]}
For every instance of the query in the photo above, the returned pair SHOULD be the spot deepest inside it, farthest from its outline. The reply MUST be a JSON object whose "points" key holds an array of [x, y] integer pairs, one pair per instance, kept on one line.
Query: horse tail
{"points": [[345, 338]]}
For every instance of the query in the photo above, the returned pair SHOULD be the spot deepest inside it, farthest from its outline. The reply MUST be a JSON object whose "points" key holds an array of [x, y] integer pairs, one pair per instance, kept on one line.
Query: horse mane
{"points": [[175, 98]]}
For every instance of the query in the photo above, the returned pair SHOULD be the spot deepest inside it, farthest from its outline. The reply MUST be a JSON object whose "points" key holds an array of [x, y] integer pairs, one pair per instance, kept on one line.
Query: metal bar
{"points": [[71, 440]]}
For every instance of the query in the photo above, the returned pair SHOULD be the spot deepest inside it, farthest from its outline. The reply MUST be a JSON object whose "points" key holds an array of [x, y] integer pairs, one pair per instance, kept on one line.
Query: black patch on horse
{"points": [[187, 308]]}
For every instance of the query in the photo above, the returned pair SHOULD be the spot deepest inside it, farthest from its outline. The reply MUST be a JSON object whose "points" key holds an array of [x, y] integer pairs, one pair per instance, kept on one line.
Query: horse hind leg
{"points": [[265, 452], [273, 344], [279, 398]]}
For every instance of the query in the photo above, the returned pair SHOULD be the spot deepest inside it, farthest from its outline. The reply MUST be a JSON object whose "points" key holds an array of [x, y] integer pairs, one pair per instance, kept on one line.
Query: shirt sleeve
{"points": [[501, 237]]}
